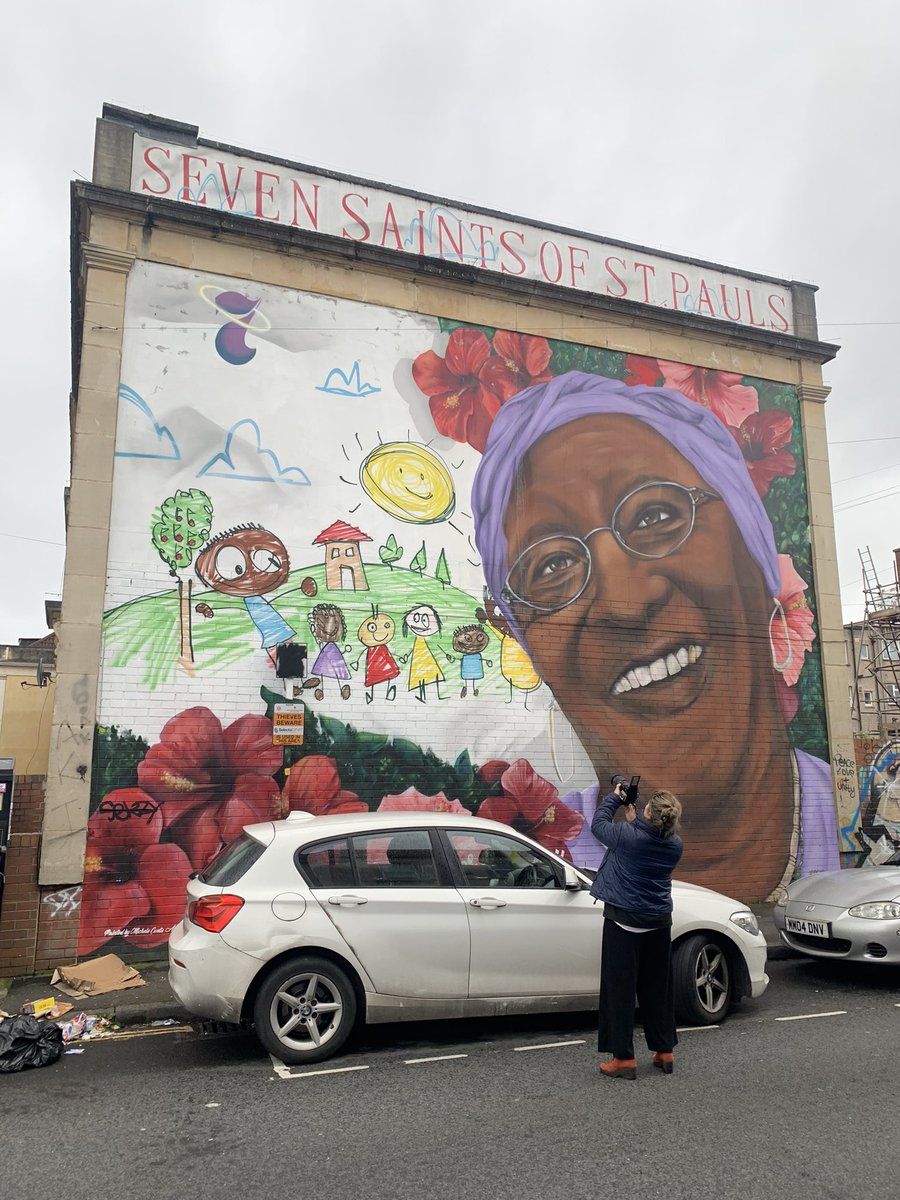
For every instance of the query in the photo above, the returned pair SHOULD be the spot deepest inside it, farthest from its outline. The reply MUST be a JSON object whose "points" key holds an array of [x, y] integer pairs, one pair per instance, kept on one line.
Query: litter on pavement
{"points": [[95, 977]]}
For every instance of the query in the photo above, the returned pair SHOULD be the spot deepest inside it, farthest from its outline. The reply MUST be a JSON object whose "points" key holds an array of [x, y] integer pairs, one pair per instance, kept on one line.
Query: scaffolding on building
{"points": [[876, 655], [881, 631]]}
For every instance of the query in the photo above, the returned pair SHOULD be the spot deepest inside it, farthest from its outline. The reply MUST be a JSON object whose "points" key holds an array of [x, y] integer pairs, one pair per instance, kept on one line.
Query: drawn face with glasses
{"points": [[651, 521]]}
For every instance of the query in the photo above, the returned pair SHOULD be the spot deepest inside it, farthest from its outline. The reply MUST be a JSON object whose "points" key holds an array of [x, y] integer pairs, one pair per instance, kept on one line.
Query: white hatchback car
{"points": [[309, 925]]}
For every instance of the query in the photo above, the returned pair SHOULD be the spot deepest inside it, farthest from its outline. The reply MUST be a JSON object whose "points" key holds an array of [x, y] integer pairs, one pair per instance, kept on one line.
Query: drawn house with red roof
{"points": [[344, 570]]}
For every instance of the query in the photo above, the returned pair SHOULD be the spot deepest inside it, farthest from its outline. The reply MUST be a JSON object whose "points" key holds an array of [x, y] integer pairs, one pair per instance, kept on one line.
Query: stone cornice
{"points": [[814, 391], [104, 259]]}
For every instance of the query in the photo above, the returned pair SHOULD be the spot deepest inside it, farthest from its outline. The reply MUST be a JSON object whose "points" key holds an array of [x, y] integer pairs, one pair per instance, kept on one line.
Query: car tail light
{"points": [[214, 912]]}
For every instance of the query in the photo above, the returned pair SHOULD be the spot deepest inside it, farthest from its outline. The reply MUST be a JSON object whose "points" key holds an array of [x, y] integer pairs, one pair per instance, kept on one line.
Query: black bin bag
{"points": [[27, 1042]]}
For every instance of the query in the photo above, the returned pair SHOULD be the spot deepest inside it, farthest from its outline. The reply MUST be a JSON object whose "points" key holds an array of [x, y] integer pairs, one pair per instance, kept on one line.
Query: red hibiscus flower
{"points": [[462, 406], [792, 626], [314, 786], [720, 391], [212, 781], [518, 361], [491, 771], [414, 801], [762, 438], [532, 805], [642, 371], [131, 883]]}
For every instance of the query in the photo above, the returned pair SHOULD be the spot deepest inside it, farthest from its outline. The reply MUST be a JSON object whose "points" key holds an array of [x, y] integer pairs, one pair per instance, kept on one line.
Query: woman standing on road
{"points": [[635, 885]]}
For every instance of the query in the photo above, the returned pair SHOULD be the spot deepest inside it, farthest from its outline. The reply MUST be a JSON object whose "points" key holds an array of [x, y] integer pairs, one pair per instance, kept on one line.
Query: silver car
{"points": [[852, 914], [311, 925]]}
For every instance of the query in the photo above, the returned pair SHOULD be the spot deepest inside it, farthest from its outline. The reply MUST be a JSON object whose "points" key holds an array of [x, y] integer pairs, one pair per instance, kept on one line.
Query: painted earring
{"points": [[778, 611]]}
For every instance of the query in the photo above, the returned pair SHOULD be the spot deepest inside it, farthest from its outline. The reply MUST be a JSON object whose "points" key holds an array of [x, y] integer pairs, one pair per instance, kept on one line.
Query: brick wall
{"points": [[38, 927]]}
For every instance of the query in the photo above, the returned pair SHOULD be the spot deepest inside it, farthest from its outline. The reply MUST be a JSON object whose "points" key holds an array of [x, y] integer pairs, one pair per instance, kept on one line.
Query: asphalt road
{"points": [[763, 1106]]}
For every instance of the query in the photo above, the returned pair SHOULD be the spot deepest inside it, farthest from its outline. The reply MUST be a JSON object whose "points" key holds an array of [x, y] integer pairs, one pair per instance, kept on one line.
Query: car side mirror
{"points": [[573, 882]]}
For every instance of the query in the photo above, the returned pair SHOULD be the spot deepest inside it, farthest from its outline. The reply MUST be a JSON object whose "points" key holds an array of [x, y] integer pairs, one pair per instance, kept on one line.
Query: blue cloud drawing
{"points": [[339, 384], [151, 441], [250, 463]]}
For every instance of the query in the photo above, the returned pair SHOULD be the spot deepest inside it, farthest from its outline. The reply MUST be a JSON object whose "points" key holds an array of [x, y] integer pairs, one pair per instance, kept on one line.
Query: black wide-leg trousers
{"points": [[636, 964]]}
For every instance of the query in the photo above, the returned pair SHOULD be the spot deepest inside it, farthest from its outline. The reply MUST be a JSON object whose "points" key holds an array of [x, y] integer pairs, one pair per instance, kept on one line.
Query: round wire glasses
{"points": [[650, 522]]}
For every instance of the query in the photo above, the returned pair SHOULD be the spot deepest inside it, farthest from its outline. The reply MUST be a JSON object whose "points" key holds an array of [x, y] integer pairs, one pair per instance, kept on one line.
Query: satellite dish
{"points": [[42, 676]]}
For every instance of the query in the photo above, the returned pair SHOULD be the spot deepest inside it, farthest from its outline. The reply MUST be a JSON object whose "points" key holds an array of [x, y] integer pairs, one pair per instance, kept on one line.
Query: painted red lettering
{"points": [[390, 223], [577, 266], [704, 300], [266, 193], [312, 211], [444, 228], [676, 290], [779, 316], [186, 192], [145, 187], [361, 222], [482, 230], [737, 295], [559, 265], [230, 192], [512, 233], [644, 268], [757, 324], [621, 282]]}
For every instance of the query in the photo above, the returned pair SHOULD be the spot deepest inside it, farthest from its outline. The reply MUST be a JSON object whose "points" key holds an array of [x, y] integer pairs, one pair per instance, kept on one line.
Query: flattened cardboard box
{"points": [[96, 977]]}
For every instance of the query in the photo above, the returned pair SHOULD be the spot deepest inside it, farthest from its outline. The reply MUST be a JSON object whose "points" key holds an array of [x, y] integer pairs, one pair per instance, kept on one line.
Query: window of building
{"points": [[335, 552], [867, 697], [349, 552], [895, 691], [892, 651], [864, 651]]}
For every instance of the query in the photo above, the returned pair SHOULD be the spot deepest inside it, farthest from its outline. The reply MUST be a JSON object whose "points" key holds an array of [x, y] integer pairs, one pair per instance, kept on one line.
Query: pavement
{"points": [[155, 1001]]}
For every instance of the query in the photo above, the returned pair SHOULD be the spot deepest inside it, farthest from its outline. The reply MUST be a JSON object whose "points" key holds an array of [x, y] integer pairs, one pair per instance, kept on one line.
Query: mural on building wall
{"points": [[518, 565], [875, 827]]}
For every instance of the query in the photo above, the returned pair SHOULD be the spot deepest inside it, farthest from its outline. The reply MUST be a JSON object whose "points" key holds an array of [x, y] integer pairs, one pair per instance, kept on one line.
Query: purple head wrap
{"points": [[695, 432]]}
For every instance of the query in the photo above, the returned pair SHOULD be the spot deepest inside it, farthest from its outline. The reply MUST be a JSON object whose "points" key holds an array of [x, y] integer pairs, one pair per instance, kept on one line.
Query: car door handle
{"points": [[487, 902], [347, 901]]}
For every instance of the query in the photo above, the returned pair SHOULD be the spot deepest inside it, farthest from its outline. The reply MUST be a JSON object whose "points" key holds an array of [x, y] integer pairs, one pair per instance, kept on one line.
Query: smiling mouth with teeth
{"points": [[660, 669]]}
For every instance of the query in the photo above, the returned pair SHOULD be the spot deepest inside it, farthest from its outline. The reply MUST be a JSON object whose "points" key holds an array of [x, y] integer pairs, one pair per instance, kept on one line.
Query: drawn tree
{"points": [[181, 525], [420, 562], [442, 571], [390, 552]]}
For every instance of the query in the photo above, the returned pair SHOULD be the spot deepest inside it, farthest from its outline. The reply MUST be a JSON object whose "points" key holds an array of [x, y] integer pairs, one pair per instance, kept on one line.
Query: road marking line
{"points": [[284, 1072], [549, 1045], [435, 1058], [840, 1012], [694, 1028]]}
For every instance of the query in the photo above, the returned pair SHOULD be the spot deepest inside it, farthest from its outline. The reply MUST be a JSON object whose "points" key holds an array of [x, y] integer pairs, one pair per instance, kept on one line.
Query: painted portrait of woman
{"points": [[624, 538]]}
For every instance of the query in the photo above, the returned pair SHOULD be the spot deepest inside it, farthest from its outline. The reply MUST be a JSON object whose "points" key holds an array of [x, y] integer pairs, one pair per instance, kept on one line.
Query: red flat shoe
{"points": [[664, 1063], [619, 1068]]}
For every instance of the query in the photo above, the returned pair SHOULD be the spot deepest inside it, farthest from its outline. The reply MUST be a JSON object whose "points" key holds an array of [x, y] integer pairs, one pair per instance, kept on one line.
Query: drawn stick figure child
{"points": [[381, 667], [328, 628], [249, 562], [423, 623], [515, 665], [470, 642]]}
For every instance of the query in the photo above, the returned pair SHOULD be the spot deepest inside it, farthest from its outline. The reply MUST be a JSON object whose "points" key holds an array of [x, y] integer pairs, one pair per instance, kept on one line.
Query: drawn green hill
{"points": [[145, 632]]}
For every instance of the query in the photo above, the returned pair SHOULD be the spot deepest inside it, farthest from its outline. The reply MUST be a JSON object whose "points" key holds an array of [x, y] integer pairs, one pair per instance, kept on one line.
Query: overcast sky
{"points": [[754, 133]]}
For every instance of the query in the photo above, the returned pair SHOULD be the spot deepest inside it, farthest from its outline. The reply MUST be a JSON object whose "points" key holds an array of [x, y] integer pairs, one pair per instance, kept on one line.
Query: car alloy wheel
{"points": [[305, 1010], [702, 980]]}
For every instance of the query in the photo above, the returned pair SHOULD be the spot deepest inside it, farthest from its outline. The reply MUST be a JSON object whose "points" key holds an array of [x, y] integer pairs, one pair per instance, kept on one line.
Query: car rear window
{"points": [[232, 862], [327, 864]]}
